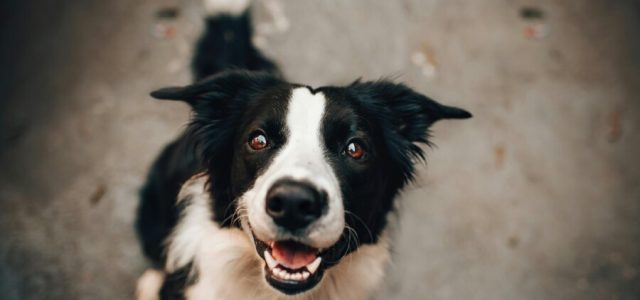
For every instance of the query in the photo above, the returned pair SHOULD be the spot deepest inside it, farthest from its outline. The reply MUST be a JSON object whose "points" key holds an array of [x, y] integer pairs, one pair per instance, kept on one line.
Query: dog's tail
{"points": [[227, 41]]}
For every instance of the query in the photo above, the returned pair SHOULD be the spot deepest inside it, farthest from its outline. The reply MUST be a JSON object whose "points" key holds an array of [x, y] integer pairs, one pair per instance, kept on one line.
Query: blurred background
{"points": [[536, 197]]}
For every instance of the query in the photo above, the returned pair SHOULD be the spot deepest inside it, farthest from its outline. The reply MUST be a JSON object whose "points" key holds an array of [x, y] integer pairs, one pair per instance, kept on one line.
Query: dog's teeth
{"points": [[286, 275], [276, 271], [313, 266], [271, 263]]}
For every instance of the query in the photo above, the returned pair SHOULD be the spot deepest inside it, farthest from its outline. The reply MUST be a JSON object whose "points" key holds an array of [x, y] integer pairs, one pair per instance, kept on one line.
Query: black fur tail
{"points": [[226, 44]]}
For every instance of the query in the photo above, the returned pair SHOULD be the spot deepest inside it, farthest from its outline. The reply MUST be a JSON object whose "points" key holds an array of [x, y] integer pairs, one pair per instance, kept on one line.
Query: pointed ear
{"points": [[172, 93], [224, 85], [410, 113], [404, 117]]}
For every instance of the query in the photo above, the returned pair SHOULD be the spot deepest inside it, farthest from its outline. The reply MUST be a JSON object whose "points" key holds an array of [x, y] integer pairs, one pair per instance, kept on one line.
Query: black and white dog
{"points": [[277, 190]]}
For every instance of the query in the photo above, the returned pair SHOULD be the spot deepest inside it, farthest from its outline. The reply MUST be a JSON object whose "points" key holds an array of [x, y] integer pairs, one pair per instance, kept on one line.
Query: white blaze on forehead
{"points": [[304, 121], [301, 158]]}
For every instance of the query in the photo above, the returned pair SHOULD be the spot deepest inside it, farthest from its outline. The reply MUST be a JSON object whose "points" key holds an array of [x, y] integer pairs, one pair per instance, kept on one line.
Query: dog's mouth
{"points": [[292, 267]]}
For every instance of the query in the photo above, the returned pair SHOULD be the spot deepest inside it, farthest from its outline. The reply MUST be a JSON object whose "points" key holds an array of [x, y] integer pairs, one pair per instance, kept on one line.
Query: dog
{"points": [[277, 190]]}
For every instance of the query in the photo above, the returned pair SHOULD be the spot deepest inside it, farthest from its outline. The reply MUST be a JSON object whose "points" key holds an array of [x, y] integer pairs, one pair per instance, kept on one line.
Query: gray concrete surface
{"points": [[537, 197]]}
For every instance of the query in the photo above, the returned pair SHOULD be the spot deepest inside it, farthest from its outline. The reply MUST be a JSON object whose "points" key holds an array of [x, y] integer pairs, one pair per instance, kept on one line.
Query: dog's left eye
{"points": [[258, 141], [355, 150]]}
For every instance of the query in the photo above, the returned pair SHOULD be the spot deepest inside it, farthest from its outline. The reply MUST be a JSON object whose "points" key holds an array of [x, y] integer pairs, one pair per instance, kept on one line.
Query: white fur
{"points": [[149, 285], [301, 158], [228, 267], [229, 7], [196, 221]]}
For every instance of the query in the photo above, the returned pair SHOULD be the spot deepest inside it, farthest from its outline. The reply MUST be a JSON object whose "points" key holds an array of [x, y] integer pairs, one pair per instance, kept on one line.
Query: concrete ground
{"points": [[537, 197]]}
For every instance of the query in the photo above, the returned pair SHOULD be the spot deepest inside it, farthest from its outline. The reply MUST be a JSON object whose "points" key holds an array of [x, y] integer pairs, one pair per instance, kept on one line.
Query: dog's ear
{"points": [[404, 117], [410, 113], [217, 102], [217, 88]]}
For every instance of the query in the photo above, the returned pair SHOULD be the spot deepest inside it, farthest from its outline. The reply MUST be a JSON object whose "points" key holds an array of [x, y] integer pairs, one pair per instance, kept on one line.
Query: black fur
{"points": [[158, 213], [176, 283], [222, 105], [226, 44], [390, 119]]}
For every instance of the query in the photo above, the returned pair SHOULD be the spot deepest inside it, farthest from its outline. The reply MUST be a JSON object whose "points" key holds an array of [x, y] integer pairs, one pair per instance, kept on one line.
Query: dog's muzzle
{"points": [[291, 265]]}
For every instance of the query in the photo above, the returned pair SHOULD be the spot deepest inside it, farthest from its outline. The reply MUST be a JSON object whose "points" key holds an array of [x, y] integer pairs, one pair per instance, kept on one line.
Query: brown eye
{"points": [[258, 141], [355, 150]]}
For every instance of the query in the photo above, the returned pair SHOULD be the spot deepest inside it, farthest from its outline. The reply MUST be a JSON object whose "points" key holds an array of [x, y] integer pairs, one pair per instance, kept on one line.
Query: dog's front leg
{"points": [[149, 285]]}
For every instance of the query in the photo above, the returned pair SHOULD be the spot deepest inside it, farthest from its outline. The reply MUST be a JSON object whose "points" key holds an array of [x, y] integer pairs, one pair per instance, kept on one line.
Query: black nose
{"points": [[294, 205]]}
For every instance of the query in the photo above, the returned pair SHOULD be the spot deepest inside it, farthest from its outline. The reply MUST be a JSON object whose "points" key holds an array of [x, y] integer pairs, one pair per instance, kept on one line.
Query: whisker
{"points": [[233, 217], [351, 233], [362, 222]]}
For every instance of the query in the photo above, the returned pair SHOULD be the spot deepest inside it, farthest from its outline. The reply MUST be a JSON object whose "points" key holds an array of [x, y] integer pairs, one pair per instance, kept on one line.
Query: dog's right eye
{"points": [[258, 141]]}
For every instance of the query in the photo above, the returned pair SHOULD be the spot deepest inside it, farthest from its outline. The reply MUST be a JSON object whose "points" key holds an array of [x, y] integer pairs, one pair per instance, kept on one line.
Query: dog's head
{"points": [[309, 174]]}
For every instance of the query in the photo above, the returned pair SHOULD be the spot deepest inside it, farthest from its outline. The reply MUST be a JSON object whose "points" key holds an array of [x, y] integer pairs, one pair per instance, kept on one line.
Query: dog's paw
{"points": [[149, 285]]}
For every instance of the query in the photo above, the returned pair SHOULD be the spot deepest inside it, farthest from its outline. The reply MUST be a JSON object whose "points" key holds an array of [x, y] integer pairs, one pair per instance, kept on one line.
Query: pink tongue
{"points": [[292, 255]]}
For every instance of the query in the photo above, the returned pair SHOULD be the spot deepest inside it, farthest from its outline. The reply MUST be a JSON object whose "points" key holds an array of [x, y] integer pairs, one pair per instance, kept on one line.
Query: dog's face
{"points": [[310, 174]]}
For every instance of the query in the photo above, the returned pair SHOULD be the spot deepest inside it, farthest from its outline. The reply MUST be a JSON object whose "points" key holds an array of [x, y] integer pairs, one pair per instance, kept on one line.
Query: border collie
{"points": [[276, 190]]}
